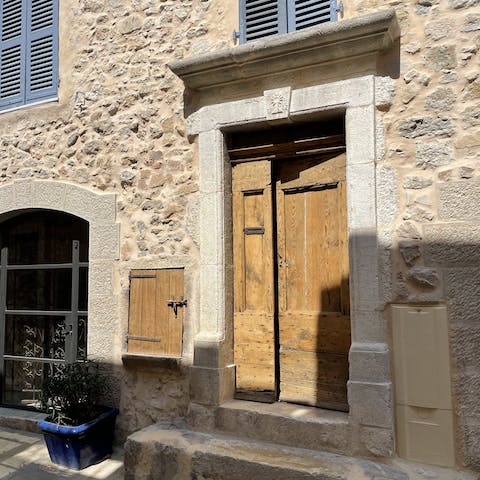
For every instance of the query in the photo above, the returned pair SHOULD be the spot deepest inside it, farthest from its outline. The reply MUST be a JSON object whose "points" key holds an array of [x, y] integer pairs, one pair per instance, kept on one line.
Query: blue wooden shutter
{"points": [[262, 18], [42, 49], [12, 52], [307, 13]]}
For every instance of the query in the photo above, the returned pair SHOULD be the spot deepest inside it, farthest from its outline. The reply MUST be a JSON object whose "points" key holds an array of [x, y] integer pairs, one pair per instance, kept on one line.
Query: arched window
{"points": [[43, 300]]}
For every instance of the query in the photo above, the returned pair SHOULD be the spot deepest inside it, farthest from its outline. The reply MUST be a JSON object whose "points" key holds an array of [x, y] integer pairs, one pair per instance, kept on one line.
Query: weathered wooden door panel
{"points": [[313, 282], [254, 304], [311, 297], [325, 332], [313, 378]]}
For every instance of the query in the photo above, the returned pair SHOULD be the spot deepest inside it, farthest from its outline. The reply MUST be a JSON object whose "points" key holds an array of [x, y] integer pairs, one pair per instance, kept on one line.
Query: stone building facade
{"points": [[136, 145]]}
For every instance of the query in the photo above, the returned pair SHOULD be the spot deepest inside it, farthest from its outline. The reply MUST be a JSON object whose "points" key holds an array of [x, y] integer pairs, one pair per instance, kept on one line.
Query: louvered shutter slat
{"points": [[42, 49], [12, 53], [307, 13], [262, 18], [11, 20]]}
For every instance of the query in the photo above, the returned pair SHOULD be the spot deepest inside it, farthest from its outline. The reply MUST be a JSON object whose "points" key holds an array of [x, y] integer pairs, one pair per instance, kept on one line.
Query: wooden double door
{"points": [[291, 281]]}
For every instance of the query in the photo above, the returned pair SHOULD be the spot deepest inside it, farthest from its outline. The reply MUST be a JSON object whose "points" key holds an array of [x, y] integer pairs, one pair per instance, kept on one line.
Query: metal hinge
{"points": [[144, 339], [254, 230], [308, 188], [339, 7]]}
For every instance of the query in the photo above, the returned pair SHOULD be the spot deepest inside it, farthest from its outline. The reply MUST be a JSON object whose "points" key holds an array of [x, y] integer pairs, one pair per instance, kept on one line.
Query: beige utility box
{"points": [[423, 400]]}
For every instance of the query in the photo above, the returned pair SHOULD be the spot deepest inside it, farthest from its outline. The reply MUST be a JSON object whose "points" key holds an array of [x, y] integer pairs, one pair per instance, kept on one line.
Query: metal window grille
{"points": [[68, 342]]}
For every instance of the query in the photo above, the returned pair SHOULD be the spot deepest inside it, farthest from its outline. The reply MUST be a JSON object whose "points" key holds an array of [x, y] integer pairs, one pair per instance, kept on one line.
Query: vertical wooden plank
{"points": [[175, 322], [239, 252], [142, 311], [135, 320], [295, 251], [343, 248], [254, 335], [324, 271], [161, 312], [281, 250], [314, 332], [255, 287]]}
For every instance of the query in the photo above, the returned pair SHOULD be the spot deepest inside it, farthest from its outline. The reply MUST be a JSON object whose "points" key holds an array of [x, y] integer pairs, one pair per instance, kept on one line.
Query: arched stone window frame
{"points": [[98, 209]]}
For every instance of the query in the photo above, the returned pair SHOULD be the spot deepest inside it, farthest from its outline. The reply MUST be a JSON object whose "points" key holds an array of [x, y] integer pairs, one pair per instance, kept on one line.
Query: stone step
{"points": [[172, 451], [24, 420], [287, 424]]}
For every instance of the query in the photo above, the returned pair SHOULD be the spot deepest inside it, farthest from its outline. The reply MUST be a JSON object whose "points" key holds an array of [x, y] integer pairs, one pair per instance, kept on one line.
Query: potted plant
{"points": [[78, 430]]}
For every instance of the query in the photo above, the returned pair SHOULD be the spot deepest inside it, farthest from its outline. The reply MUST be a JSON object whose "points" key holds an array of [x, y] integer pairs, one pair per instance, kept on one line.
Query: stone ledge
{"points": [[138, 360], [24, 420], [327, 43]]}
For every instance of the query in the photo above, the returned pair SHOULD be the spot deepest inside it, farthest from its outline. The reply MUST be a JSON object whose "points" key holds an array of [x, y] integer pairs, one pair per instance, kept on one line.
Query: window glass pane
{"points": [[34, 239], [23, 381], [39, 290], [32, 336], [83, 289], [44, 237]]}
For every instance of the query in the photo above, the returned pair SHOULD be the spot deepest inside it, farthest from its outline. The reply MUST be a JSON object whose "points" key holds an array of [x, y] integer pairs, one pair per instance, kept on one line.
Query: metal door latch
{"points": [[177, 303]]}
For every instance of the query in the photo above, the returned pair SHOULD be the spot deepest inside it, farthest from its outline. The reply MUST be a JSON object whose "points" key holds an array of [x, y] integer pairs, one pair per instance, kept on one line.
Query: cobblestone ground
{"points": [[24, 456]]}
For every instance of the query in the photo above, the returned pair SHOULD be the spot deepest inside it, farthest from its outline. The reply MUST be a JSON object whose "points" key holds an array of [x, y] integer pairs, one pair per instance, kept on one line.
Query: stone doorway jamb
{"points": [[210, 80]]}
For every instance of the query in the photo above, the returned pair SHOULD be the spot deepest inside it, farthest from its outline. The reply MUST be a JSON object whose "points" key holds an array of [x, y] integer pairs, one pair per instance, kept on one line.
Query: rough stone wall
{"points": [[432, 139], [118, 127], [163, 395]]}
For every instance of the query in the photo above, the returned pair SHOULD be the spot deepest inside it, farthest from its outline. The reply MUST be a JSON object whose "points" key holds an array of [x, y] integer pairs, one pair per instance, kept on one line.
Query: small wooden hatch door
{"points": [[155, 320]]}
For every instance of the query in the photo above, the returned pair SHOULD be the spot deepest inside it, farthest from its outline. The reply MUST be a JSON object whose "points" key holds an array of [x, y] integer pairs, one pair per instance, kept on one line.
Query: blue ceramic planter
{"points": [[82, 445]]}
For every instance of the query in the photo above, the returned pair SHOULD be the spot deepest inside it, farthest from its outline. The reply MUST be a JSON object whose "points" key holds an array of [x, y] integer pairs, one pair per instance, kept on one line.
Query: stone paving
{"points": [[24, 456]]}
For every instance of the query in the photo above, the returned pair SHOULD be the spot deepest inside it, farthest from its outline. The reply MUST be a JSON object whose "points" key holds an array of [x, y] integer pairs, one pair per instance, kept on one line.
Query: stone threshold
{"points": [[172, 450], [290, 410], [17, 419], [284, 424]]}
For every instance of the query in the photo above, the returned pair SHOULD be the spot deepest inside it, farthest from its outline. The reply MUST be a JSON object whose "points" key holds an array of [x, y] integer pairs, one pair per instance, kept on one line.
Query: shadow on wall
{"points": [[435, 267]]}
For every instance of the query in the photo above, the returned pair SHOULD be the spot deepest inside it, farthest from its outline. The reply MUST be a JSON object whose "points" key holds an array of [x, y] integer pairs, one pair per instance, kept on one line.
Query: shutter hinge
{"points": [[339, 7], [235, 35]]}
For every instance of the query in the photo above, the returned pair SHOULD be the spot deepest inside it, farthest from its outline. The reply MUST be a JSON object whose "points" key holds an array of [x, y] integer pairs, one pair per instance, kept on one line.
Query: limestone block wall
{"points": [[431, 162]]}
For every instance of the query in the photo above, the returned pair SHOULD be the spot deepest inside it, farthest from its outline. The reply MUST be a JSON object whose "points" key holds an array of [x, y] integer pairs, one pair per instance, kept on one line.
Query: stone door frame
{"points": [[370, 384]]}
